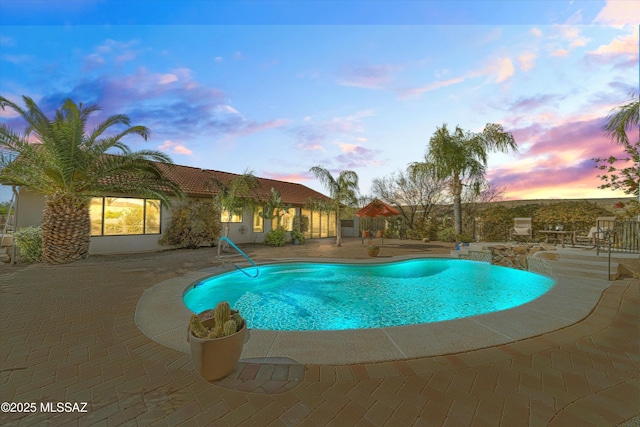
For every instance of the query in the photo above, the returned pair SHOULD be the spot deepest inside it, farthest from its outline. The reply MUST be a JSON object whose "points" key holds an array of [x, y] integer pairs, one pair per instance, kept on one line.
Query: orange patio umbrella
{"points": [[377, 208]]}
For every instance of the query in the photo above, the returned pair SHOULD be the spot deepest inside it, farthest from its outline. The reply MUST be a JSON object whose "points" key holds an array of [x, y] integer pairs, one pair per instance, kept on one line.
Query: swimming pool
{"points": [[331, 296]]}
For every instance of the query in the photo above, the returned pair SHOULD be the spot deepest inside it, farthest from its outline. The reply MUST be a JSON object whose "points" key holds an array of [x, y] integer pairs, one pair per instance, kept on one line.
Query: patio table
{"points": [[559, 236]]}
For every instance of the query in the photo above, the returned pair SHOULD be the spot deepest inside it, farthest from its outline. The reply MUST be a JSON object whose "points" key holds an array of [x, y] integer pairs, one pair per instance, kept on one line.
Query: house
{"points": [[122, 223]]}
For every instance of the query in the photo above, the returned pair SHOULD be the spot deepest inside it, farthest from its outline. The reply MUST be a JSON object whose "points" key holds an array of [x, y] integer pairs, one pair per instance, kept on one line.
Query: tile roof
{"points": [[193, 182]]}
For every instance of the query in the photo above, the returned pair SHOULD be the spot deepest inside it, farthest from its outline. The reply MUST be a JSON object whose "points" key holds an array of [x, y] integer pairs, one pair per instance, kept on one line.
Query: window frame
{"points": [[144, 200]]}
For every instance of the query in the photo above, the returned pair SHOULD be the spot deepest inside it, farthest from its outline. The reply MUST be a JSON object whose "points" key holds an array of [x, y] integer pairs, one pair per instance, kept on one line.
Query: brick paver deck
{"points": [[67, 334]]}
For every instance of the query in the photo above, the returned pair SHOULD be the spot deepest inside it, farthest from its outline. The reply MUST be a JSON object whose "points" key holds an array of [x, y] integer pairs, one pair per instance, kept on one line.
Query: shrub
{"points": [[464, 237], [29, 242], [193, 223], [447, 235], [275, 237]]}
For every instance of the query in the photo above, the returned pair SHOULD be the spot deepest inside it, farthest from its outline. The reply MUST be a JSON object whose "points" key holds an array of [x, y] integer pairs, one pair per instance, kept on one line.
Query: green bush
{"points": [[29, 242], [275, 237], [192, 224], [447, 235], [464, 237]]}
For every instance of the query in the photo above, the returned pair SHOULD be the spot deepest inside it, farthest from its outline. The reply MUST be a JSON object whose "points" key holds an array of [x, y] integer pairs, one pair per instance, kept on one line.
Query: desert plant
{"points": [[29, 243], [447, 235], [193, 223], [275, 237], [462, 159], [297, 234], [226, 322], [59, 158], [464, 238], [373, 250], [343, 191]]}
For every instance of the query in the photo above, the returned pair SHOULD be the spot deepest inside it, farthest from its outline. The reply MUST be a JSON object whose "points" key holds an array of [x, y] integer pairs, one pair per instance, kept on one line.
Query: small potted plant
{"points": [[216, 338], [297, 233], [464, 238], [297, 237], [372, 249]]}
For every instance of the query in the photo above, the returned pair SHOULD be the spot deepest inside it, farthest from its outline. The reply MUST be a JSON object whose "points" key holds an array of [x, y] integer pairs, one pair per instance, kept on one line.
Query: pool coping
{"points": [[162, 319]]}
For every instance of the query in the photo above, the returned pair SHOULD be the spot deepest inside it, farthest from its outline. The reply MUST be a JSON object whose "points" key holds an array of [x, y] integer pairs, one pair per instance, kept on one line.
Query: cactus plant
{"points": [[198, 329], [223, 312], [229, 328], [225, 322]]}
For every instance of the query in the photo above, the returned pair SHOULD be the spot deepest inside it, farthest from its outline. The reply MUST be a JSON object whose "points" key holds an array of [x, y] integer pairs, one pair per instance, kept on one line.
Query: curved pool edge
{"points": [[162, 317]]}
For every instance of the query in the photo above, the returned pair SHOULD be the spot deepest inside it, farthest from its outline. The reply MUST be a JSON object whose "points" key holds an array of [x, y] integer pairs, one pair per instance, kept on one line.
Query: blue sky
{"points": [[277, 87]]}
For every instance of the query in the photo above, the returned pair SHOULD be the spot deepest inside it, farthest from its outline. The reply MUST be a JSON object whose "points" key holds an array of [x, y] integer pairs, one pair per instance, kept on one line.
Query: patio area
{"points": [[68, 334]]}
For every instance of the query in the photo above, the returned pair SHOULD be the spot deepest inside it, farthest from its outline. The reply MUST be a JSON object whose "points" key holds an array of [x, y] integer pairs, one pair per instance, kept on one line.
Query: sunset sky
{"points": [[277, 87]]}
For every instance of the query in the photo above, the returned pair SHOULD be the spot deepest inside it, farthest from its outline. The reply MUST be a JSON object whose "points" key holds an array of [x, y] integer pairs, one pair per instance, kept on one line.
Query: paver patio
{"points": [[67, 334]]}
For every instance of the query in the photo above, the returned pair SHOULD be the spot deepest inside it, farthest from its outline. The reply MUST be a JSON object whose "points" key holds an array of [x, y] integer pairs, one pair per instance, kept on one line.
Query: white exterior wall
{"points": [[29, 208], [30, 212]]}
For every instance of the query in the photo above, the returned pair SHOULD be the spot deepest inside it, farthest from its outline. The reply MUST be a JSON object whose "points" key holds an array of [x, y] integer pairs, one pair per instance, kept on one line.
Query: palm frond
{"points": [[624, 120]]}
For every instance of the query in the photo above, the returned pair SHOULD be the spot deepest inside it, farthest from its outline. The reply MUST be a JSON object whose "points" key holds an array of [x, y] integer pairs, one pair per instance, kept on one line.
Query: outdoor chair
{"points": [[522, 229], [379, 236], [598, 234], [366, 234]]}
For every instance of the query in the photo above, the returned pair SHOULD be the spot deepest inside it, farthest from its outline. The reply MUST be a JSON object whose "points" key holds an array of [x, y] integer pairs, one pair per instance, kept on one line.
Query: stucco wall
{"points": [[30, 212], [30, 208]]}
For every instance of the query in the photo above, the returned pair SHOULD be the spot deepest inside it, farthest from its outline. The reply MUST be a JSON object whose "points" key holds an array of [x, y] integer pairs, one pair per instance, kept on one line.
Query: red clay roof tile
{"points": [[193, 181]]}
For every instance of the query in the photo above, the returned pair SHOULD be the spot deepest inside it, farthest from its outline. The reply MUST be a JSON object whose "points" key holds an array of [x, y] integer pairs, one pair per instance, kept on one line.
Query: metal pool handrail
{"points": [[224, 238]]}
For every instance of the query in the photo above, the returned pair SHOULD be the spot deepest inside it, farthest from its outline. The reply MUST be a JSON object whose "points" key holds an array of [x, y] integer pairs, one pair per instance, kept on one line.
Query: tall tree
{"points": [[343, 190], [413, 192], [618, 126], [60, 159], [462, 158], [234, 195]]}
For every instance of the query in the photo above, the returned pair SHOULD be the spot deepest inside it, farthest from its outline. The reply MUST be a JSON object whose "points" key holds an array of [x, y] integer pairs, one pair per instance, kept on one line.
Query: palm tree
{"points": [[462, 158], [614, 176], [624, 120], [58, 158], [234, 195], [343, 191]]}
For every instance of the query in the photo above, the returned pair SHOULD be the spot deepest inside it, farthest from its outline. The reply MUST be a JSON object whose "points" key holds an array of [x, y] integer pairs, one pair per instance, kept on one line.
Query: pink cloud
{"points": [[527, 60], [534, 102], [371, 77], [504, 69], [167, 78], [623, 46], [417, 91], [359, 157], [252, 127], [288, 177], [619, 13], [175, 147], [558, 160]]}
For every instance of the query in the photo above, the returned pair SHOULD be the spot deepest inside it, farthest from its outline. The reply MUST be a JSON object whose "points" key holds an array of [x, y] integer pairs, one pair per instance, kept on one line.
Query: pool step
{"points": [[564, 262]]}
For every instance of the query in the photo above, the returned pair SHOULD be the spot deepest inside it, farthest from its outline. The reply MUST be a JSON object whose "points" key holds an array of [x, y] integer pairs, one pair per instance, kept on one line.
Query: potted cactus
{"points": [[216, 338]]}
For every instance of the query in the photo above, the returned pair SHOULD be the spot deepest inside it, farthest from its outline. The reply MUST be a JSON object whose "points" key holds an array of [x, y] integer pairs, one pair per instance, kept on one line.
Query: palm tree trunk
{"points": [[456, 189], [457, 213], [66, 229], [338, 229]]}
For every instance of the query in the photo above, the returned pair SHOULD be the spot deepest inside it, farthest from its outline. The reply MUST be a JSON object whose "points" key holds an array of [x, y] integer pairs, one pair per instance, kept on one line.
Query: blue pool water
{"points": [[318, 296]]}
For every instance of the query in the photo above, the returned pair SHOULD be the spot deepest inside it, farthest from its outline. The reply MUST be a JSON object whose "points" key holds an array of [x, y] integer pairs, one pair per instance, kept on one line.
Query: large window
{"points": [[321, 224], [286, 219], [234, 217], [258, 221], [117, 216]]}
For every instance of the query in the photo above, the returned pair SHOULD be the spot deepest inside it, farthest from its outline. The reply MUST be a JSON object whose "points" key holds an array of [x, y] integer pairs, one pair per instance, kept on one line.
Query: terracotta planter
{"points": [[216, 358], [373, 251]]}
